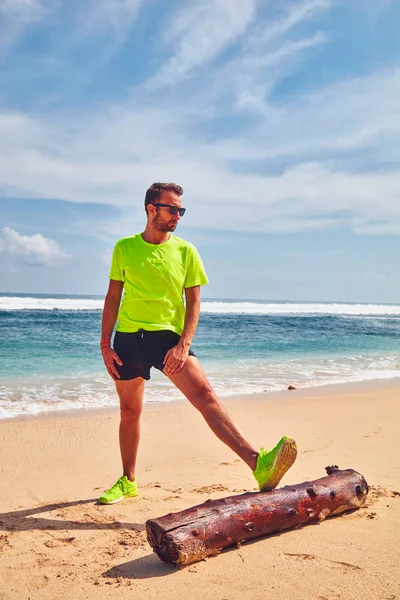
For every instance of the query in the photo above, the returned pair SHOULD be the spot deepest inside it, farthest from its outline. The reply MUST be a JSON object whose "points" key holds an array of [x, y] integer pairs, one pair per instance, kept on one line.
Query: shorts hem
{"points": [[134, 377]]}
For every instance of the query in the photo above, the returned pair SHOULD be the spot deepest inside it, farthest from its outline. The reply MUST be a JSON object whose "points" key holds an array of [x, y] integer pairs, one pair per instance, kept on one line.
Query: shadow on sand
{"points": [[26, 520], [145, 567]]}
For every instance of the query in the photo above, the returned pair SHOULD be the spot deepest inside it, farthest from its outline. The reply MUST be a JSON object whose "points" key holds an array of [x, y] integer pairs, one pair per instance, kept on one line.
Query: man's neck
{"points": [[153, 236]]}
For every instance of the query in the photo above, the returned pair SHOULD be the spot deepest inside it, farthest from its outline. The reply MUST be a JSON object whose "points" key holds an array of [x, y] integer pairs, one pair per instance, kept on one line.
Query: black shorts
{"points": [[142, 350]]}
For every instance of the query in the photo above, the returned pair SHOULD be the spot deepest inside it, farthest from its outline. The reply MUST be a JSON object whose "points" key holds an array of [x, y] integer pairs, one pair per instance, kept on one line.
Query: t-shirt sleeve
{"points": [[195, 273], [117, 271]]}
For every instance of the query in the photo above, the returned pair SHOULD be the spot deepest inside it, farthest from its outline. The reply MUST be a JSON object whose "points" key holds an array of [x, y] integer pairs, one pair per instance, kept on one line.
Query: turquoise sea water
{"points": [[49, 357]]}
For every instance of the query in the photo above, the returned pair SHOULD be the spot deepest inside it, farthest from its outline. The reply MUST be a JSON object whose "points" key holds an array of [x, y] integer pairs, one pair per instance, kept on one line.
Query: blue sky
{"points": [[281, 120]]}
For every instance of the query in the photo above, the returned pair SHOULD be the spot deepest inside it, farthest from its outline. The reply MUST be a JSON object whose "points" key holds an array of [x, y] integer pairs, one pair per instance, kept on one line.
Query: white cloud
{"points": [[304, 197], [271, 49], [34, 250], [294, 14], [373, 275], [354, 115], [199, 32], [254, 75], [101, 14], [321, 159], [23, 11], [379, 228], [16, 16], [112, 156]]}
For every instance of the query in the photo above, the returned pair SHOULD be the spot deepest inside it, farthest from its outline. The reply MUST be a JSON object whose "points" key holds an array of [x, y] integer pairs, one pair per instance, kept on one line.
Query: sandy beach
{"points": [[57, 543]]}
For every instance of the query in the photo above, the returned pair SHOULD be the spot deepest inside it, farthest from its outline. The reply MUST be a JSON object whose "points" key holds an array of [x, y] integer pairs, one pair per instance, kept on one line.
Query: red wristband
{"points": [[104, 342]]}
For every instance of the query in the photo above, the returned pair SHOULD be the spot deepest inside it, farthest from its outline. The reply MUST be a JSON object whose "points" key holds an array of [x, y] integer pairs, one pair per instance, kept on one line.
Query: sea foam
{"points": [[17, 303]]}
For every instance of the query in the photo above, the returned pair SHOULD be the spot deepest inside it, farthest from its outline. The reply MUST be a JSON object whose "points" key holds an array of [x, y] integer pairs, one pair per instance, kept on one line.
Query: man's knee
{"points": [[129, 412], [204, 398]]}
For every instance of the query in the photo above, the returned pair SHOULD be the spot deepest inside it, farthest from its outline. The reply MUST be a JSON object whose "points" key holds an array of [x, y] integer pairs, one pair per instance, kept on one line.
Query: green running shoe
{"points": [[273, 464], [122, 488]]}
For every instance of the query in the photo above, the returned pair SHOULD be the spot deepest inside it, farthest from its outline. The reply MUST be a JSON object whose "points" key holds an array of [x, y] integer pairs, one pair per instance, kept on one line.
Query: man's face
{"points": [[163, 220]]}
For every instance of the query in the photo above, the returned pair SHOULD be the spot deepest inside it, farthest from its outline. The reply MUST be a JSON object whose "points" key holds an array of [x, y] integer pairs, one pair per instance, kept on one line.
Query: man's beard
{"points": [[164, 226]]}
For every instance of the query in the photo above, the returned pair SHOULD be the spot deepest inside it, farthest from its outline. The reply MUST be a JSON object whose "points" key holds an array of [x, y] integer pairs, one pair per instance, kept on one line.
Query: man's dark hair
{"points": [[156, 189]]}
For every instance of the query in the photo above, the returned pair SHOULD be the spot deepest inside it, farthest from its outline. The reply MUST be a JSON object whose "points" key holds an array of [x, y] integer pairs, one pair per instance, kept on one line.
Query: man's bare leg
{"points": [[131, 402], [192, 382]]}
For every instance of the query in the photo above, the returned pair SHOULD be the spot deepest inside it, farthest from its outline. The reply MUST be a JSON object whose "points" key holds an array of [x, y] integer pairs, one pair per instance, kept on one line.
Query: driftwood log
{"points": [[204, 530]]}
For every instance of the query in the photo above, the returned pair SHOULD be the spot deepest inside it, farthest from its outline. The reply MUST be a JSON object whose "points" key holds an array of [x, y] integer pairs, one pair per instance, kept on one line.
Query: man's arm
{"points": [[192, 315], [110, 313], [111, 307], [176, 357]]}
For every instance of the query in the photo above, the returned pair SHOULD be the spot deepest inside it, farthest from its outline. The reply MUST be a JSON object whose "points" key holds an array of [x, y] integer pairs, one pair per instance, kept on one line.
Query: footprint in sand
{"points": [[176, 490], [57, 542], [308, 450], [376, 492], [4, 543], [133, 539], [154, 484], [207, 489], [38, 582], [331, 564]]}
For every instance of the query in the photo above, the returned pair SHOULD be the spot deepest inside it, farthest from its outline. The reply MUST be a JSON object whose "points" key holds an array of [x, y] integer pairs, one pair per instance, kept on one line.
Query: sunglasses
{"points": [[173, 210]]}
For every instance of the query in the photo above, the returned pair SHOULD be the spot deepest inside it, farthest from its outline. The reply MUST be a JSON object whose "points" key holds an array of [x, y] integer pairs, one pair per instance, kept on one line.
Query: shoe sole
{"points": [[283, 461], [119, 499]]}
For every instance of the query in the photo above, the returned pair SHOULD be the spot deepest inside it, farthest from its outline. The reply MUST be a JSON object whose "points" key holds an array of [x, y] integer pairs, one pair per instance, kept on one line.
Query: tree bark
{"points": [[204, 530]]}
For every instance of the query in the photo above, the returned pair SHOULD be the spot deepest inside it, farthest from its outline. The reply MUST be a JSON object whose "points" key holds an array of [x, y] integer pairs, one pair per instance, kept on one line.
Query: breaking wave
{"points": [[18, 303]]}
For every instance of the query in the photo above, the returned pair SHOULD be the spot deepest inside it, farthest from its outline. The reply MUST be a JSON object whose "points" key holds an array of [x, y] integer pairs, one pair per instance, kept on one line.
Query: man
{"points": [[155, 269]]}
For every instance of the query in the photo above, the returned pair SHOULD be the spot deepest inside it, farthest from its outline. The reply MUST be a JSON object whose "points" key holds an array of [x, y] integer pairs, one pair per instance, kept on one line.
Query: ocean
{"points": [[50, 359]]}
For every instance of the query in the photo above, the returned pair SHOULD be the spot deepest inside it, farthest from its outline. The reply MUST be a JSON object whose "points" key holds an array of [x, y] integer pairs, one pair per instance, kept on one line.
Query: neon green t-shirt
{"points": [[155, 276]]}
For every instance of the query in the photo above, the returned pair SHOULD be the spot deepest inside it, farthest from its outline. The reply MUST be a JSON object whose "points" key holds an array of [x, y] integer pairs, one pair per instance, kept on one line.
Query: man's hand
{"points": [[110, 358], [176, 358]]}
